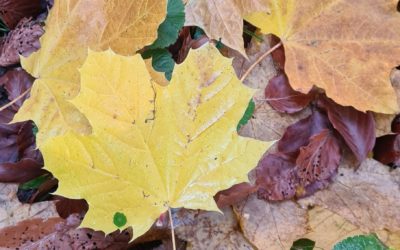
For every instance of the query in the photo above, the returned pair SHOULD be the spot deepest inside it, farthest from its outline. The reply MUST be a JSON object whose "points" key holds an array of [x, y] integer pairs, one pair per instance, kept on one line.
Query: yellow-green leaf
{"points": [[153, 146], [72, 27]]}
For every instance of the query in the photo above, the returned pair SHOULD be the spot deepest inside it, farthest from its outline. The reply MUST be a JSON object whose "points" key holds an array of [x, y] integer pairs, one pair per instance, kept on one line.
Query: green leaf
{"points": [[168, 31], [247, 115], [35, 183], [119, 219], [162, 61], [303, 244], [361, 242]]}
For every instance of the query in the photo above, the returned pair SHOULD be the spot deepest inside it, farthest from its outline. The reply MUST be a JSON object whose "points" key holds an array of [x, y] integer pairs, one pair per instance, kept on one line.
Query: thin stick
{"points": [[15, 100], [246, 74], [172, 228]]}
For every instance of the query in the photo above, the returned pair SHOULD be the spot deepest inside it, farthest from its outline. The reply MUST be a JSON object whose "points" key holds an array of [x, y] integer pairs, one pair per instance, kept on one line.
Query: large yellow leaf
{"points": [[154, 146], [346, 47], [222, 19], [72, 27]]}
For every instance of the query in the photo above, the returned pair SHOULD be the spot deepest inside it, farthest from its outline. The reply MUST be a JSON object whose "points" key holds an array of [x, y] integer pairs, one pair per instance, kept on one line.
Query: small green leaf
{"points": [[35, 130], [198, 33], [35, 183], [361, 242], [119, 219], [168, 31], [162, 62], [247, 115], [303, 244]]}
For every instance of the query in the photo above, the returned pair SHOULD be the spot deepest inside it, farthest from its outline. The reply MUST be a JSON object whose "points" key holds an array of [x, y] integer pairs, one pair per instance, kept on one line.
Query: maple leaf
{"points": [[222, 20], [349, 55], [152, 146], [72, 27]]}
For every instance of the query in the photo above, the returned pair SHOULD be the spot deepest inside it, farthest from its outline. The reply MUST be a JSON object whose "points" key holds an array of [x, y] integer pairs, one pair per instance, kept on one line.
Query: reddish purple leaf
{"points": [[319, 160], [283, 98], [298, 134], [387, 149], [396, 124], [12, 11], [356, 128], [276, 178], [234, 194]]}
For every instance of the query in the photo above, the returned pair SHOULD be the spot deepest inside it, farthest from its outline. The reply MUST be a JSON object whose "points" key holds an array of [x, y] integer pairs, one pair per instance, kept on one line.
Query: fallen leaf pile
{"points": [[199, 124]]}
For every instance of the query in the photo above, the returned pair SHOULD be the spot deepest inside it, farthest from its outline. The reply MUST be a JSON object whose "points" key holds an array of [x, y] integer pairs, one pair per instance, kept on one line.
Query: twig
{"points": [[172, 228], [15, 100], [246, 74]]}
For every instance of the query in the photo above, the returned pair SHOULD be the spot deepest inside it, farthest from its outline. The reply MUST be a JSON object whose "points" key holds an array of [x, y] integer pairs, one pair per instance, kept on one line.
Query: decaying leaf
{"points": [[73, 26], [12, 11], [210, 230], [222, 20], [387, 149], [172, 146], [368, 198], [271, 225], [23, 40], [342, 46]]}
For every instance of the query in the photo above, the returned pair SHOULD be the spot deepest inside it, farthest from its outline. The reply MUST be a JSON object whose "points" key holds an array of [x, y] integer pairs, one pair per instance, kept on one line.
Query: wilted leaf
{"points": [[178, 150], [395, 125], [73, 26], [23, 40], [387, 149], [303, 244], [357, 128], [341, 46], [210, 230], [271, 225], [368, 198], [280, 95], [361, 242], [12, 11], [319, 160], [222, 20], [235, 194]]}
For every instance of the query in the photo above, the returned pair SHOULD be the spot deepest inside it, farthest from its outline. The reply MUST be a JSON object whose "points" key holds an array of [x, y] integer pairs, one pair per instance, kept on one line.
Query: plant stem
{"points": [[15, 100], [172, 228], [246, 74]]}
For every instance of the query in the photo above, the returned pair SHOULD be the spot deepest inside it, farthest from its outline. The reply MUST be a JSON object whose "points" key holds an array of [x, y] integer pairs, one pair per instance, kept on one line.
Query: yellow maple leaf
{"points": [[346, 47], [222, 19], [153, 146], [72, 27]]}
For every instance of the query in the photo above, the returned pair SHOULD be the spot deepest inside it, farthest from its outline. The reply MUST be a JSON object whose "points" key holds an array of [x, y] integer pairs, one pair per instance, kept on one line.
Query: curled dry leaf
{"points": [[319, 160], [234, 194], [368, 197], [356, 128], [271, 225], [319, 53], [19, 159], [387, 149], [12, 11], [222, 20], [210, 230], [23, 40], [283, 98]]}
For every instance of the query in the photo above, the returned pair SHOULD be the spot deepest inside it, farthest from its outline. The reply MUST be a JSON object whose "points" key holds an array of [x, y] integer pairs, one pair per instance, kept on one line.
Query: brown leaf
{"points": [[283, 98], [387, 149], [368, 198], [383, 124], [234, 194], [319, 160], [210, 230], [12, 11], [298, 134], [357, 128], [395, 126], [276, 177], [271, 225], [23, 40]]}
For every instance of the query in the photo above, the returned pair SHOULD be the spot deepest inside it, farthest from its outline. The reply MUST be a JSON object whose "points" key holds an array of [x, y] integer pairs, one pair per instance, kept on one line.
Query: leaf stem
{"points": [[172, 228], [246, 74], [15, 100]]}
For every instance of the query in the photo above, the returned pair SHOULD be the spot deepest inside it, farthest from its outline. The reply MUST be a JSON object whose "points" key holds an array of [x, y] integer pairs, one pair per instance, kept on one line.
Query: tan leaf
{"points": [[368, 198], [210, 230], [346, 47], [271, 225], [222, 19]]}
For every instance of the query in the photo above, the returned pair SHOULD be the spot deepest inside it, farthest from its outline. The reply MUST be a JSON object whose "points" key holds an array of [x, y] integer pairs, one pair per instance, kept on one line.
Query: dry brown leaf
{"points": [[328, 228], [369, 198], [23, 40], [346, 47], [12, 11], [210, 230], [222, 19], [271, 225]]}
